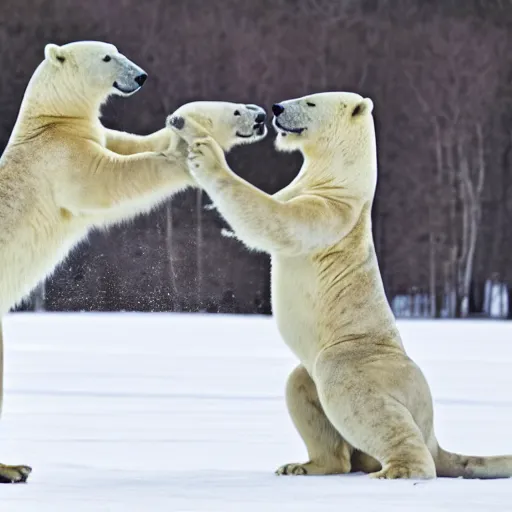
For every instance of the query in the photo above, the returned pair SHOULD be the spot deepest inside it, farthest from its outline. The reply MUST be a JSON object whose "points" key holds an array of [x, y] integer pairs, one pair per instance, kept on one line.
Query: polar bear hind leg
{"points": [[328, 452], [377, 424]]}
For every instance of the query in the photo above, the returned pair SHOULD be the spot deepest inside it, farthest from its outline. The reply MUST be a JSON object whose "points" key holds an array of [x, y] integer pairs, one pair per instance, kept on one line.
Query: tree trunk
{"points": [[433, 277], [171, 271], [199, 248]]}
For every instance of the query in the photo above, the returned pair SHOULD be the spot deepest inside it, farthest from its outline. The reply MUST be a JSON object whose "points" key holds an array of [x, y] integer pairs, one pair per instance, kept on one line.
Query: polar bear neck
{"points": [[45, 98], [355, 173]]}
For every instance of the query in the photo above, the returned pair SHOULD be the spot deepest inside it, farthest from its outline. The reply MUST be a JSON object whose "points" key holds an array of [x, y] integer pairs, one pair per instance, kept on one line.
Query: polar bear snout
{"points": [[141, 79], [250, 122], [277, 109], [130, 77], [293, 121]]}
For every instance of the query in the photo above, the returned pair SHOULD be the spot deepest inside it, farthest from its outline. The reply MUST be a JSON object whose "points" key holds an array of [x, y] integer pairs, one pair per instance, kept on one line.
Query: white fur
{"points": [[357, 400], [230, 124], [63, 173]]}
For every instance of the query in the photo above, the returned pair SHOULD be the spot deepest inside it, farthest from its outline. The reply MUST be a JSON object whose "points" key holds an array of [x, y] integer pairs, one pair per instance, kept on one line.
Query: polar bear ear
{"points": [[363, 107], [54, 54]]}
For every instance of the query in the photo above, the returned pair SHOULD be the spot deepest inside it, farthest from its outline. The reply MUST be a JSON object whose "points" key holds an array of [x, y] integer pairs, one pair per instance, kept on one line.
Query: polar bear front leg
{"points": [[9, 474], [124, 143], [328, 452], [106, 182], [304, 224]]}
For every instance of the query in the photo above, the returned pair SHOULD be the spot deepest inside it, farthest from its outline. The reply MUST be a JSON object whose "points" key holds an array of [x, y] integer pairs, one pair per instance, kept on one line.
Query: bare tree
{"points": [[455, 99], [471, 182]]}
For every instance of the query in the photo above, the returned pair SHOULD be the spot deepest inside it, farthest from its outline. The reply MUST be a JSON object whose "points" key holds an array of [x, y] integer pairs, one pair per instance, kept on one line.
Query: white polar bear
{"points": [[357, 400], [63, 173]]}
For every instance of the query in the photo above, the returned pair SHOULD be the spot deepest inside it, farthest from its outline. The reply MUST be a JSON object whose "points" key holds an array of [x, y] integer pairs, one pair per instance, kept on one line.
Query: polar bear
{"points": [[63, 173], [357, 400]]}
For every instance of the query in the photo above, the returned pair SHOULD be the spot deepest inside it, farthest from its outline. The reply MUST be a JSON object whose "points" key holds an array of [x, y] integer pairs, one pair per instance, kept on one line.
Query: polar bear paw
{"points": [[205, 154], [14, 474], [334, 467], [395, 471], [292, 469]]}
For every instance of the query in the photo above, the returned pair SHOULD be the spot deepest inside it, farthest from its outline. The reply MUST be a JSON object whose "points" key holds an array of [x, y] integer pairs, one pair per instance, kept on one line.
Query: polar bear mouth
{"points": [[123, 90], [298, 131], [258, 129]]}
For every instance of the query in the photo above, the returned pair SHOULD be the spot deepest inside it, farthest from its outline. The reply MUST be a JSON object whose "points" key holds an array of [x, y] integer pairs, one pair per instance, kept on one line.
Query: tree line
{"points": [[439, 73]]}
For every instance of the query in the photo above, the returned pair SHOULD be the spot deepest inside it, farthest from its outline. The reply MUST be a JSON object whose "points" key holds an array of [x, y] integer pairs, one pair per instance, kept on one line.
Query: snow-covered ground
{"points": [[183, 413]]}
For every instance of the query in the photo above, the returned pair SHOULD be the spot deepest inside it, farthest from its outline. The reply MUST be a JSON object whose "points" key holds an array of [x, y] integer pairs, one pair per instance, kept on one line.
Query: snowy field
{"points": [[185, 413]]}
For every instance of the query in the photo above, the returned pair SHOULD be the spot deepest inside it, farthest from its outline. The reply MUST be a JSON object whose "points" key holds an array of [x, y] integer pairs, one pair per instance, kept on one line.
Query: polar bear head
{"points": [[91, 71], [324, 122], [230, 124]]}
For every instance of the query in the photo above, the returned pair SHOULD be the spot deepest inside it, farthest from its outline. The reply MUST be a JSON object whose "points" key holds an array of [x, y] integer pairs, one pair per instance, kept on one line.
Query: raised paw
{"points": [[205, 154], [292, 469], [395, 471], [14, 474]]}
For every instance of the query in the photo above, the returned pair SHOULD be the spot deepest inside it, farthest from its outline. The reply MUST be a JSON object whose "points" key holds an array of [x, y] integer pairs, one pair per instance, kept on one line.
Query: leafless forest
{"points": [[439, 72]]}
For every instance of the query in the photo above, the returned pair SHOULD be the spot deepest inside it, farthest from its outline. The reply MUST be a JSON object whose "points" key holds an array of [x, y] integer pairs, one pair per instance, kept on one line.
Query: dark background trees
{"points": [[439, 73]]}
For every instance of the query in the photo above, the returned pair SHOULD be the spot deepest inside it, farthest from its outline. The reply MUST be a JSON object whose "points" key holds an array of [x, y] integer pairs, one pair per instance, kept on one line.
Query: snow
{"points": [[175, 413]]}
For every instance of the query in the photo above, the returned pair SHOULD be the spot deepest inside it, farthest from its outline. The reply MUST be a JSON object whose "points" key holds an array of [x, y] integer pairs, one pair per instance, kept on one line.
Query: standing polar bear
{"points": [[357, 400], [63, 173]]}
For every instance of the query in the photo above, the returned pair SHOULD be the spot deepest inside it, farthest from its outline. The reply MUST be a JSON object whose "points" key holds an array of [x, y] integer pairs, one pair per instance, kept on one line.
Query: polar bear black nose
{"points": [[141, 79], [277, 109], [260, 117]]}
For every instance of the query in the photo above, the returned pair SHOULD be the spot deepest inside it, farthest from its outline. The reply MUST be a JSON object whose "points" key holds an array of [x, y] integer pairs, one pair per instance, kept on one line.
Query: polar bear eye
{"points": [[107, 58], [237, 113], [309, 104]]}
